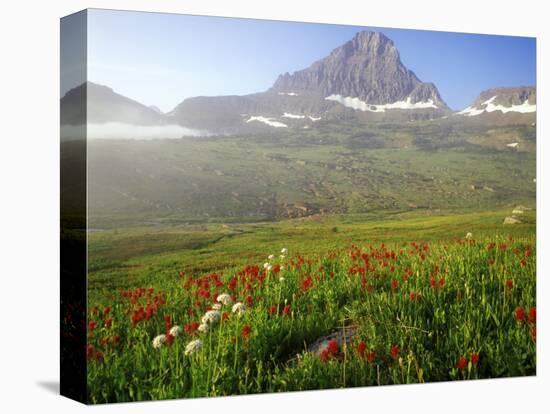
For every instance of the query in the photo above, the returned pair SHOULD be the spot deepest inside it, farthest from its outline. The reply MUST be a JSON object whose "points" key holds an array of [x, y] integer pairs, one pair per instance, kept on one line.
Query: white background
{"points": [[29, 192]]}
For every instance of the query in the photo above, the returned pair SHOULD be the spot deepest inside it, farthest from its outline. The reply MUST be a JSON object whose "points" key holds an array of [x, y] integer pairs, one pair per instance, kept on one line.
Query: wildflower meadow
{"points": [[346, 315]]}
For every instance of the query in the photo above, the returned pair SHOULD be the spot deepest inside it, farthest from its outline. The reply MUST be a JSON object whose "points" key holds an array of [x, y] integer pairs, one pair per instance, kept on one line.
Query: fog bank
{"points": [[119, 130]]}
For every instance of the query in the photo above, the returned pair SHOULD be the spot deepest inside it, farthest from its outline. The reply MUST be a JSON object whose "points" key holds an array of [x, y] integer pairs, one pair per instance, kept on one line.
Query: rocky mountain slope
{"points": [[363, 79], [367, 68]]}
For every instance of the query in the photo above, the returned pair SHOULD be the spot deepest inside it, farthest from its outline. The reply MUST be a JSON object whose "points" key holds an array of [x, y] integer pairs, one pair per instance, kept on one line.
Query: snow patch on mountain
{"points": [[524, 108], [293, 116], [288, 93], [358, 104], [267, 121], [471, 111], [488, 101], [489, 106]]}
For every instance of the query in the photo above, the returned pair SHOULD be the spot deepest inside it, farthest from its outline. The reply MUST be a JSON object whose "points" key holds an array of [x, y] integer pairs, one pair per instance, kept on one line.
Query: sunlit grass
{"points": [[444, 309]]}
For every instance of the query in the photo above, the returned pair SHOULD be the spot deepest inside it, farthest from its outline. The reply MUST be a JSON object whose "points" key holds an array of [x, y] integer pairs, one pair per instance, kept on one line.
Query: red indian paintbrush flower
{"points": [[361, 347], [91, 325], [462, 363], [394, 351], [371, 356], [189, 328], [169, 338], [474, 358], [394, 284], [245, 331], [90, 351], [520, 314], [324, 355], [137, 316], [307, 283], [330, 350], [333, 347], [509, 284], [532, 315], [167, 323], [522, 262], [286, 310]]}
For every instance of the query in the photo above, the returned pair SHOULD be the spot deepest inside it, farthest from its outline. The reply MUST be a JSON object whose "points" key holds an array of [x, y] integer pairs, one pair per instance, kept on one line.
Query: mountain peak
{"points": [[368, 68], [366, 40]]}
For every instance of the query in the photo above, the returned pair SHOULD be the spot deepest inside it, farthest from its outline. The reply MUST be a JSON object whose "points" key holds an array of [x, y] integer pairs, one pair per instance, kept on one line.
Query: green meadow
{"points": [[310, 259], [415, 297]]}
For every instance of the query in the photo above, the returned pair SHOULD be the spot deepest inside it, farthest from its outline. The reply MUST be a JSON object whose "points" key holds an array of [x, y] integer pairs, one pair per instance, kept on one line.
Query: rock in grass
{"points": [[511, 220], [342, 336]]}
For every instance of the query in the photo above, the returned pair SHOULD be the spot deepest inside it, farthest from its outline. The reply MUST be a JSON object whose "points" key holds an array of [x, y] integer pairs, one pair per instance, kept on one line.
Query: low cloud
{"points": [[118, 130]]}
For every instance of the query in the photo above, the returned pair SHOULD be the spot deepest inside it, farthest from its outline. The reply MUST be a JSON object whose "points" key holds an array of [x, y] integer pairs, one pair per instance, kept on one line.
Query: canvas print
{"points": [[254, 206]]}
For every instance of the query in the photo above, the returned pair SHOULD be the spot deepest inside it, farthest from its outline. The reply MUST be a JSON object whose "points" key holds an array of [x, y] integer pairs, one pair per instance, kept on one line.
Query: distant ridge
{"points": [[521, 100], [105, 105]]}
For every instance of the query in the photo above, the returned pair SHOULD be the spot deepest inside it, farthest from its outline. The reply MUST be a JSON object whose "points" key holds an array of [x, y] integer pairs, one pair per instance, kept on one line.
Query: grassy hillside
{"points": [[330, 169]]}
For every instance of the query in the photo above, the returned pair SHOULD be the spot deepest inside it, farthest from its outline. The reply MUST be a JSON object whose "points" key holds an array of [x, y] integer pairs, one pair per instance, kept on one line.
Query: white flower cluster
{"points": [[239, 308], [211, 317], [193, 346], [225, 299], [158, 341], [268, 266], [214, 315], [175, 330]]}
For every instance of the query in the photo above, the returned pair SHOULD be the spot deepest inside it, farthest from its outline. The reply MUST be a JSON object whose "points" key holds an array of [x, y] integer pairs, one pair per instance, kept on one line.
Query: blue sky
{"points": [[160, 59]]}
